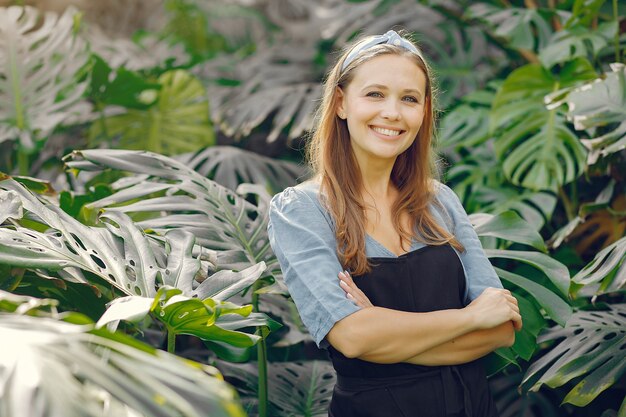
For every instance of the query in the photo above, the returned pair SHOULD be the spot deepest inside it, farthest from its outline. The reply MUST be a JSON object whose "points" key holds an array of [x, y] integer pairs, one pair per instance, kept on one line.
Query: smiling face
{"points": [[383, 106]]}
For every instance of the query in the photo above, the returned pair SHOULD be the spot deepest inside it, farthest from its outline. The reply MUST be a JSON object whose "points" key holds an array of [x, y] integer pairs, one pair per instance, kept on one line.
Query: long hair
{"points": [[329, 152]]}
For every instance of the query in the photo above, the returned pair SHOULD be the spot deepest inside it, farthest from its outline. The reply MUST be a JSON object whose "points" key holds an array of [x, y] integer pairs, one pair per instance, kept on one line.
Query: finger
{"points": [[344, 285], [348, 277], [353, 299]]}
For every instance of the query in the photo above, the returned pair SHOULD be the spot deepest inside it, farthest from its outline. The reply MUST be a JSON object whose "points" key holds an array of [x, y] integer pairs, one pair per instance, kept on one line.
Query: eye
{"points": [[375, 94], [411, 99]]}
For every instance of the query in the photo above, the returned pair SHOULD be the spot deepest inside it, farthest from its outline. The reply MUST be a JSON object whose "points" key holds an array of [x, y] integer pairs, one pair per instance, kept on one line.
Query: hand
{"points": [[352, 291], [494, 307]]}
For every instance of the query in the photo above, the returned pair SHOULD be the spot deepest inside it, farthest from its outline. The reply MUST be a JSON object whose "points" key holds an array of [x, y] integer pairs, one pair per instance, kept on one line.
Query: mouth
{"points": [[387, 133]]}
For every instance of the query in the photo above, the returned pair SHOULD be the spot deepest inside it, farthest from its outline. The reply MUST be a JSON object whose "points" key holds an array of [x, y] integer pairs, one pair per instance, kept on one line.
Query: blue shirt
{"points": [[302, 236]]}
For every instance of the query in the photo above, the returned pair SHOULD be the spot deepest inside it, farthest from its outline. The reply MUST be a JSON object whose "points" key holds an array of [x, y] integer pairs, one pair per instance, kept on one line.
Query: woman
{"points": [[380, 259]]}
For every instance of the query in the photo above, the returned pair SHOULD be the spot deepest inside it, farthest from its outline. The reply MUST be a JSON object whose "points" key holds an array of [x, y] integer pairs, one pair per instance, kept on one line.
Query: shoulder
{"points": [[301, 203], [443, 193], [446, 204], [302, 195]]}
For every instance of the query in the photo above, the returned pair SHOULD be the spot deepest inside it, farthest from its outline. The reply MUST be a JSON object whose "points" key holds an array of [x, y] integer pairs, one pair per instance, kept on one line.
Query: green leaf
{"points": [[522, 28], [122, 88], [576, 41], [554, 270], [507, 225], [52, 367], [554, 305], [10, 206], [177, 122], [39, 68], [301, 388], [601, 103], [220, 219], [608, 267], [537, 148], [594, 346], [132, 308], [230, 167], [21, 304], [526, 339]]}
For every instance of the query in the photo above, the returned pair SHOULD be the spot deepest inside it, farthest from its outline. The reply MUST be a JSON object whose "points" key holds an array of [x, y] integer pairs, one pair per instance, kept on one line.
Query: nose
{"points": [[390, 111]]}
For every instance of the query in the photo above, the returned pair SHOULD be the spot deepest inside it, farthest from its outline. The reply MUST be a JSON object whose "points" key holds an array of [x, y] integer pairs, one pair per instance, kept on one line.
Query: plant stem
{"points": [[261, 354], [569, 210], [22, 161], [171, 341], [615, 15]]}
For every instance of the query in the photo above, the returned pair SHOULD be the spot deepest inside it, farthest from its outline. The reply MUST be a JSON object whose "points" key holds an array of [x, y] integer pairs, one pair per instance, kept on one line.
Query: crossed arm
{"points": [[455, 336]]}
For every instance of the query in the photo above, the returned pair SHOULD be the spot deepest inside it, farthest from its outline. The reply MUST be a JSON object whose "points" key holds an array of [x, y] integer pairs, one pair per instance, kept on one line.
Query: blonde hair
{"points": [[330, 154]]}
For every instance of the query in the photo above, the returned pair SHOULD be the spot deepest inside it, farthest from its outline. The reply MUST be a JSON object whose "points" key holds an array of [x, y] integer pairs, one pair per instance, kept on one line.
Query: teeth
{"points": [[386, 132]]}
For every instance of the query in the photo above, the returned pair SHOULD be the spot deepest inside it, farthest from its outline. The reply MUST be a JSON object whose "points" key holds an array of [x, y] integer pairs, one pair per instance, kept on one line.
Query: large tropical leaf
{"points": [[507, 225], [594, 348], [147, 52], [608, 269], [538, 149], [301, 388], [510, 227], [467, 125], [526, 29], [179, 197], [480, 183], [277, 82], [120, 254], [556, 272], [177, 120], [576, 41], [281, 81], [209, 318], [230, 167], [602, 103], [39, 81], [532, 404], [54, 368]]}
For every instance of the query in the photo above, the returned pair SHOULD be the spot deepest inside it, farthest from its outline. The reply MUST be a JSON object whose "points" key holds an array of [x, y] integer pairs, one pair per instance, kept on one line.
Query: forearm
{"points": [[468, 347], [384, 335]]}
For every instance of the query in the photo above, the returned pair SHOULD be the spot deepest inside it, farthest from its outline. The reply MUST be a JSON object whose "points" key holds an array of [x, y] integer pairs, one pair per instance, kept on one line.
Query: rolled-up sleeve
{"points": [[304, 243], [479, 273]]}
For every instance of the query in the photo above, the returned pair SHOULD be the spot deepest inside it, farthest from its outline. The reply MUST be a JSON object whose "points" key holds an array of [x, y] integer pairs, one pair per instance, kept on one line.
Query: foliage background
{"points": [[135, 253]]}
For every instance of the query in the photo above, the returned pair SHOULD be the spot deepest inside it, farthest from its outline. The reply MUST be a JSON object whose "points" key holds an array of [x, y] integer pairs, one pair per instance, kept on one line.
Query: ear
{"points": [[340, 110]]}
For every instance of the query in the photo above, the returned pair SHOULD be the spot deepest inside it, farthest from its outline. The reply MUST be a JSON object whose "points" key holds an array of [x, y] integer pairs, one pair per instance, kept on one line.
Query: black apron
{"points": [[426, 279]]}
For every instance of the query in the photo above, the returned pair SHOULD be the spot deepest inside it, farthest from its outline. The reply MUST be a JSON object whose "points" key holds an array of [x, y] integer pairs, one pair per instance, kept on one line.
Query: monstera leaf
{"points": [[208, 318], [467, 125], [594, 348], [608, 268], [177, 120], [480, 184], [521, 28], [510, 227], [120, 254], [576, 41], [532, 404], [148, 52], [537, 148], [179, 197], [301, 388], [51, 367], [39, 81], [230, 167], [601, 103]]}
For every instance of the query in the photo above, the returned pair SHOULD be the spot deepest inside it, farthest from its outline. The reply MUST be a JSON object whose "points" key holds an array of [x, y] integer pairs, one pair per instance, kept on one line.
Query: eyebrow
{"points": [[383, 87]]}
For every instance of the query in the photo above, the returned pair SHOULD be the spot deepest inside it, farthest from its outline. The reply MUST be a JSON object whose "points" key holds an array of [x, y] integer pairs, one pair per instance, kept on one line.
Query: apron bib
{"points": [[426, 279]]}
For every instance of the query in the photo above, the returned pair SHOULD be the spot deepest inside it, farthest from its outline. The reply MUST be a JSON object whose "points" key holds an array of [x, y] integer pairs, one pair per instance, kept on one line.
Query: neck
{"points": [[376, 175]]}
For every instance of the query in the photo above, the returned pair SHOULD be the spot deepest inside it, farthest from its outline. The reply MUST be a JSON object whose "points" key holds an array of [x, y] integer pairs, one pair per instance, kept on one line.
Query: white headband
{"points": [[391, 37]]}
